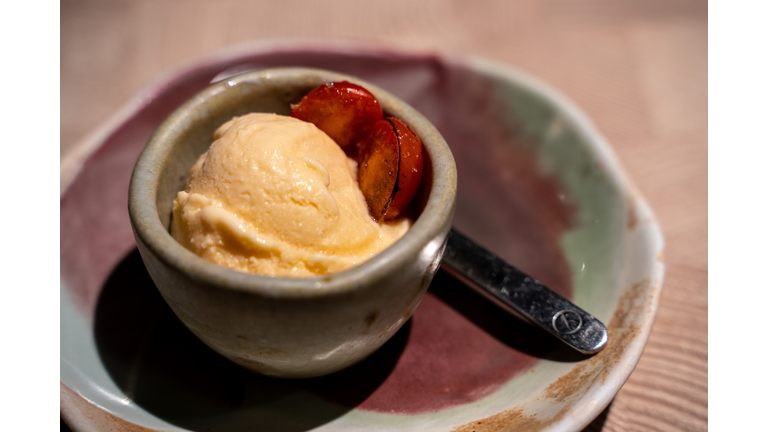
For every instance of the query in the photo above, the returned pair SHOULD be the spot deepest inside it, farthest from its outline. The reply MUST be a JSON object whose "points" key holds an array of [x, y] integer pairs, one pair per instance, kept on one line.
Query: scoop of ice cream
{"points": [[275, 195]]}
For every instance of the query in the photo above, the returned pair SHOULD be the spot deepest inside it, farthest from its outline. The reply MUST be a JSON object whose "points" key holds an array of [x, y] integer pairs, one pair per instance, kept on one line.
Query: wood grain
{"points": [[638, 69]]}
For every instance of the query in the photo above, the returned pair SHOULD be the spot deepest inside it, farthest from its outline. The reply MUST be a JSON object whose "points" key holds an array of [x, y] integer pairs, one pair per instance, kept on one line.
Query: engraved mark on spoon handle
{"points": [[520, 293]]}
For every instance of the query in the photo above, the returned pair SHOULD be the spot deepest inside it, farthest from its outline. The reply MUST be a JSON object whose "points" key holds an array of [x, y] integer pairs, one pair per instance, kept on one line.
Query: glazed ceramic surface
{"points": [[537, 186], [285, 327]]}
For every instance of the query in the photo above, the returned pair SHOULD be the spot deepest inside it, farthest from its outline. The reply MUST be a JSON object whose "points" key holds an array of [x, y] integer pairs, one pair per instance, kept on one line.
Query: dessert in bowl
{"points": [[285, 326], [539, 186]]}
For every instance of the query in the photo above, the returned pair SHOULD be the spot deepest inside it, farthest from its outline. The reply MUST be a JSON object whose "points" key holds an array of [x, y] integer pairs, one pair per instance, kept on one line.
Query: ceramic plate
{"points": [[537, 185]]}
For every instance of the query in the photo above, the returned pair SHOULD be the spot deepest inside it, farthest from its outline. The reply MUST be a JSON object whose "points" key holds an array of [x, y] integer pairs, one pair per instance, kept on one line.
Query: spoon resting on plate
{"points": [[507, 286], [519, 293]]}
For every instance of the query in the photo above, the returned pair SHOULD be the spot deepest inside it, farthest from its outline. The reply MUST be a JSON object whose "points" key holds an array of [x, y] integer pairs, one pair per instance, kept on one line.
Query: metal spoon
{"points": [[507, 286], [517, 292]]}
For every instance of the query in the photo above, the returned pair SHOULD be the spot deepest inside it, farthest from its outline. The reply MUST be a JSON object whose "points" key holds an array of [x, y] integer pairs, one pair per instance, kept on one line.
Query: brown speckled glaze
{"points": [[572, 386], [84, 416], [96, 231], [456, 348]]}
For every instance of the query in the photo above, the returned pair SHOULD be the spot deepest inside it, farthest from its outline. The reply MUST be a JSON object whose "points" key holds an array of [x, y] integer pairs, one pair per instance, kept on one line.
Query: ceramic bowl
{"points": [[539, 186], [278, 326]]}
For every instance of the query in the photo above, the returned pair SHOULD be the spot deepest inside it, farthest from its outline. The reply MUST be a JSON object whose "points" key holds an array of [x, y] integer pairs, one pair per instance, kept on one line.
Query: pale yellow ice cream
{"points": [[276, 196]]}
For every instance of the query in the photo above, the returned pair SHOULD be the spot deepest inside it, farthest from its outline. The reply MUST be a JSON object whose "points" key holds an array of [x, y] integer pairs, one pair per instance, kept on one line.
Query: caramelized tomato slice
{"points": [[390, 168], [344, 111]]}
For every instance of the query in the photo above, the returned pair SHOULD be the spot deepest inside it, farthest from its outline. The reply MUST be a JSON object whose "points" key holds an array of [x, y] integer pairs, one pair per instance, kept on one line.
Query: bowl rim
{"points": [[433, 221], [584, 410]]}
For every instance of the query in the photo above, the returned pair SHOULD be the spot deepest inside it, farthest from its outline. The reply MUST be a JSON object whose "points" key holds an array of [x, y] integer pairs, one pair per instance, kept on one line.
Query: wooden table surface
{"points": [[638, 69]]}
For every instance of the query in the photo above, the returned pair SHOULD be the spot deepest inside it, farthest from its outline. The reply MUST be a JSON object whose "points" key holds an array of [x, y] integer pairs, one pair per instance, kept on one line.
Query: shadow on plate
{"points": [[505, 327], [163, 368]]}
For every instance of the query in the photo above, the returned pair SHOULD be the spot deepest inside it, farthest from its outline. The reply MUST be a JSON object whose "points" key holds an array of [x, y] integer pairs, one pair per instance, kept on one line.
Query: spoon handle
{"points": [[518, 292]]}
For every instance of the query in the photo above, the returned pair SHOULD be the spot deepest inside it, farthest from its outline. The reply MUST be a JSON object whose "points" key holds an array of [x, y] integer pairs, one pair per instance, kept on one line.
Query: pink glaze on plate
{"points": [[457, 348]]}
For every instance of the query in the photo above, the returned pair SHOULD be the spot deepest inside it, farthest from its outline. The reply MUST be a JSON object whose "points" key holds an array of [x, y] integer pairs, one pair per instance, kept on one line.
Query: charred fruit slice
{"points": [[410, 170], [344, 111], [390, 168], [377, 172]]}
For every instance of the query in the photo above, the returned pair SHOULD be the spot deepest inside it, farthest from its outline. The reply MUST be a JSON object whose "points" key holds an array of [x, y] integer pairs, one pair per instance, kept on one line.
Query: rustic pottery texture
{"points": [[284, 327], [538, 186]]}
